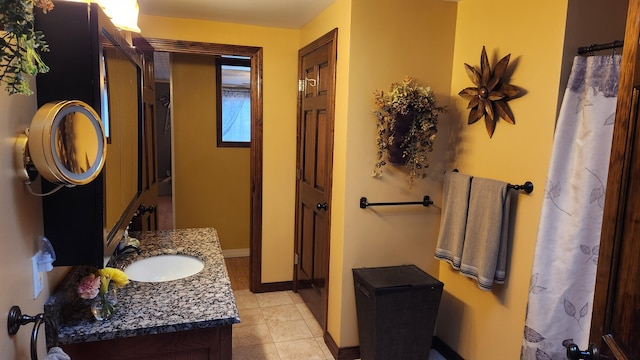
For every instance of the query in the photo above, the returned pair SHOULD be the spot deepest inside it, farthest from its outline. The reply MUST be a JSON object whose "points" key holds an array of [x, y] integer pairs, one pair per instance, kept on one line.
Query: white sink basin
{"points": [[164, 268]]}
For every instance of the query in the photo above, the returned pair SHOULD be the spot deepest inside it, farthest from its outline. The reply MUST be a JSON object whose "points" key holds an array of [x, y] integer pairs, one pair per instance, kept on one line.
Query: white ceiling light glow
{"points": [[123, 13]]}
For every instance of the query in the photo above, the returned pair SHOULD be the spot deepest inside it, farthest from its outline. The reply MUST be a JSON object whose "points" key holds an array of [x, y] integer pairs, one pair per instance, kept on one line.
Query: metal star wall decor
{"points": [[490, 95]]}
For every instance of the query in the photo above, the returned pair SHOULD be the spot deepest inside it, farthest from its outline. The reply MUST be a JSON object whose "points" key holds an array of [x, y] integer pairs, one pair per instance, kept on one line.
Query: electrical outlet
{"points": [[38, 277]]}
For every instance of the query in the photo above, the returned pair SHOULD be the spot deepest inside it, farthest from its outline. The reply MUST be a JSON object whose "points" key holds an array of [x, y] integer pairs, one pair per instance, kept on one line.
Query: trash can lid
{"points": [[395, 278]]}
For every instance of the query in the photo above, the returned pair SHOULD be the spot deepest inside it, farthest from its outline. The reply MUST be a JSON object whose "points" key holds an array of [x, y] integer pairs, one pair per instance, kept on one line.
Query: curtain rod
{"points": [[585, 50]]}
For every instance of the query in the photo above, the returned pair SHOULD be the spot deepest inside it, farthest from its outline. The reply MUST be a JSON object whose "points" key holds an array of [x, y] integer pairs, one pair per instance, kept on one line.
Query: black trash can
{"points": [[397, 308]]}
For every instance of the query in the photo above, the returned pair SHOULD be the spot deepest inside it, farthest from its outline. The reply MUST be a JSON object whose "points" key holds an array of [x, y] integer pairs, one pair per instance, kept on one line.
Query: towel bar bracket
{"points": [[526, 187], [15, 319], [426, 201]]}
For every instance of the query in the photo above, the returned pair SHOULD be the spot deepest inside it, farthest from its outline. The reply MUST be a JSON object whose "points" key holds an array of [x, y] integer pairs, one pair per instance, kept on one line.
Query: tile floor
{"points": [[279, 326]]}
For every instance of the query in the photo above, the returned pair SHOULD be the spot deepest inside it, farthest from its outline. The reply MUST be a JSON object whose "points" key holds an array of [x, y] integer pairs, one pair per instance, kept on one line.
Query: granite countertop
{"points": [[202, 300]]}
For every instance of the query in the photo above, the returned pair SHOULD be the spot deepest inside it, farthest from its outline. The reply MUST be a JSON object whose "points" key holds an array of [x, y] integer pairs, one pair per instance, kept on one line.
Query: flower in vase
{"points": [[89, 286], [97, 286], [108, 274]]}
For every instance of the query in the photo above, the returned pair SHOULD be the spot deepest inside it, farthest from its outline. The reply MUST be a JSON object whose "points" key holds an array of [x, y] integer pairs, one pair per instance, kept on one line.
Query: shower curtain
{"points": [[566, 255]]}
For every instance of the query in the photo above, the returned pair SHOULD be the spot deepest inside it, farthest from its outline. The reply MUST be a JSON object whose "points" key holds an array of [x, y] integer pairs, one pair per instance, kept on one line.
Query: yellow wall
{"points": [[210, 184], [380, 43], [489, 325], [21, 224], [280, 51], [389, 40]]}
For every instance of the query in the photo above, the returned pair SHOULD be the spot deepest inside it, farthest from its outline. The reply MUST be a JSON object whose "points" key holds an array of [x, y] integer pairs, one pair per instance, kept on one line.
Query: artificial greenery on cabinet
{"points": [[21, 44]]}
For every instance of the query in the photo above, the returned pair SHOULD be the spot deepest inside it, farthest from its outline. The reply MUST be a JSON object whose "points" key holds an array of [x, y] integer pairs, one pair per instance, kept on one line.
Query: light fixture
{"points": [[123, 13]]}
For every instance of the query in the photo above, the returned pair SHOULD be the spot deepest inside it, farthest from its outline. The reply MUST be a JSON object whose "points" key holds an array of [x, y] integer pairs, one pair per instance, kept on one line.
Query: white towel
{"points": [[455, 203], [484, 254], [56, 353]]}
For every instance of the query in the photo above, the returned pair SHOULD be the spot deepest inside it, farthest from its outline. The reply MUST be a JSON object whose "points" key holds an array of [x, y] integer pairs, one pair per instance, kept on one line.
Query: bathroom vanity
{"points": [[188, 318]]}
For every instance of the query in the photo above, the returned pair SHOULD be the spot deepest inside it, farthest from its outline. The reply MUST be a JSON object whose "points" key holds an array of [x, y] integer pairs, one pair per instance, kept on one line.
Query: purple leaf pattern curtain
{"points": [[566, 254]]}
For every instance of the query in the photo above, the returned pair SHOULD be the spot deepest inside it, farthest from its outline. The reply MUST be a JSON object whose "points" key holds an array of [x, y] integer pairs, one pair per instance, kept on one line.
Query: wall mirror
{"points": [[122, 107]]}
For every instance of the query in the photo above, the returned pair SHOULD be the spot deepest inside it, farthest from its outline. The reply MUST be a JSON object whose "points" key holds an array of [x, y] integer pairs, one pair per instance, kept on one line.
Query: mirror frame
{"points": [[109, 35], [256, 152]]}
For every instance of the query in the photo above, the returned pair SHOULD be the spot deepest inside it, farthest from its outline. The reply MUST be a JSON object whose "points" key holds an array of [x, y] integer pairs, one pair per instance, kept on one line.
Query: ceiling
{"points": [[293, 14]]}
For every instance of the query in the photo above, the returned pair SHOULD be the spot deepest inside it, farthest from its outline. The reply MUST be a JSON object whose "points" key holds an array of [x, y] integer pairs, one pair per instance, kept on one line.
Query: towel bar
{"points": [[526, 187], [17, 319], [426, 201]]}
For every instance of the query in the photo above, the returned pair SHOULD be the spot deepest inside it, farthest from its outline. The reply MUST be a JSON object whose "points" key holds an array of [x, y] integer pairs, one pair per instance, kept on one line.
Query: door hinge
{"points": [[296, 259], [298, 174]]}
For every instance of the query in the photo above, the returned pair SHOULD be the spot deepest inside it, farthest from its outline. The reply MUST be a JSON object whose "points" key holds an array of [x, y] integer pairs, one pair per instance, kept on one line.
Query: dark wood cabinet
{"points": [[91, 60], [199, 344]]}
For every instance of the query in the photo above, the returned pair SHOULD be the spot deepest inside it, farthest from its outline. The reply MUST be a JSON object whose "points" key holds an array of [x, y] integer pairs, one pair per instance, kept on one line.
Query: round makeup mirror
{"points": [[65, 143]]}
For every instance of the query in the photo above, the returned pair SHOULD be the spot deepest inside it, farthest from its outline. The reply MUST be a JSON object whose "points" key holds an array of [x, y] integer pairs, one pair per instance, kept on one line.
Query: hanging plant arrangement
{"points": [[407, 125], [490, 95], [20, 44]]}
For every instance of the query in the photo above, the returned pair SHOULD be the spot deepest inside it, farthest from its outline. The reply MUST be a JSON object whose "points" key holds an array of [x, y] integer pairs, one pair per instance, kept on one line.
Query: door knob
{"points": [[574, 352], [323, 206], [143, 209]]}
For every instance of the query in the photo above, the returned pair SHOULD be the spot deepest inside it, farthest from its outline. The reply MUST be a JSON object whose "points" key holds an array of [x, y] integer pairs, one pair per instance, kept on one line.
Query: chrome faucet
{"points": [[118, 258], [119, 251]]}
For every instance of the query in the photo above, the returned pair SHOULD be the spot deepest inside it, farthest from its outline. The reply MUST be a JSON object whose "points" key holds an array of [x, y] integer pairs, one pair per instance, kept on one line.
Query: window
{"points": [[233, 94]]}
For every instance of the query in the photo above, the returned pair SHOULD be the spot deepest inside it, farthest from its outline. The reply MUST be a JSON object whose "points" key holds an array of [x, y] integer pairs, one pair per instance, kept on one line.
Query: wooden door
{"points": [[316, 64], [147, 218], [615, 326]]}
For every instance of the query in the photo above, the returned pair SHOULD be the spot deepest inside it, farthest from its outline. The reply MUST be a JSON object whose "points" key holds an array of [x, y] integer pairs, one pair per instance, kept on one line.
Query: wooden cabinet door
{"points": [[615, 327], [199, 344]]}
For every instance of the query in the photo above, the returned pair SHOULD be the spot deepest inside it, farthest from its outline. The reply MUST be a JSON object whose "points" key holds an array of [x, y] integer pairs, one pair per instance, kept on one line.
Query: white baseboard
{"points": [[233, 253]]}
